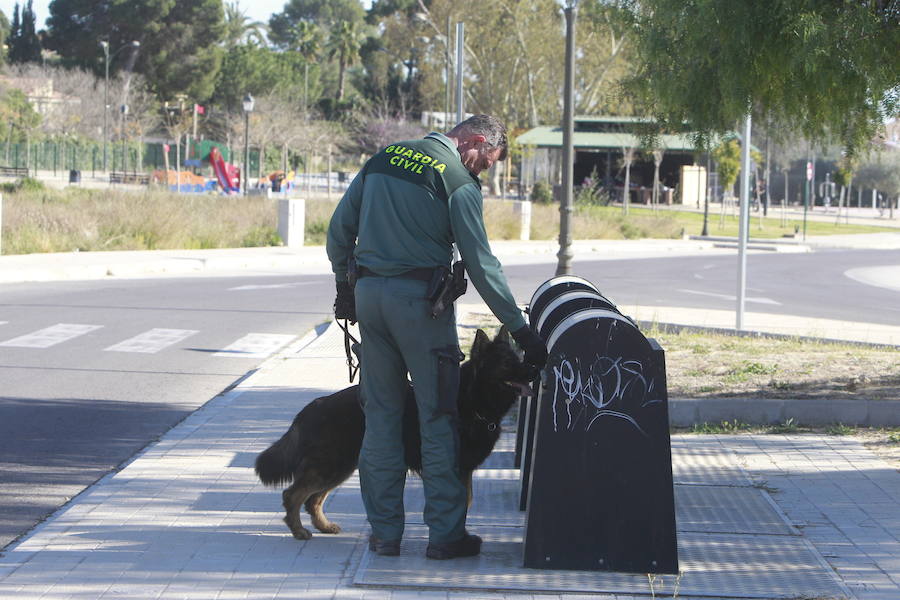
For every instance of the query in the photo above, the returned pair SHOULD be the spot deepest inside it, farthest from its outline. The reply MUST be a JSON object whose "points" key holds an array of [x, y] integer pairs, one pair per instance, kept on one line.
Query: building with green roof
{"points": [[600, 144]]}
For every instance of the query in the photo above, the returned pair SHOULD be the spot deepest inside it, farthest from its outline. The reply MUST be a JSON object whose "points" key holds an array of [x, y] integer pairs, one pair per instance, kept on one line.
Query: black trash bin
{"points": [[600, 455], [74, 176]]}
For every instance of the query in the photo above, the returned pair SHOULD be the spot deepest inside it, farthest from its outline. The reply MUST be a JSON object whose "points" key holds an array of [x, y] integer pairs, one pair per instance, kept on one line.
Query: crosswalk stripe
{"points": [[152, 341], [256, 345], [50, 336]]}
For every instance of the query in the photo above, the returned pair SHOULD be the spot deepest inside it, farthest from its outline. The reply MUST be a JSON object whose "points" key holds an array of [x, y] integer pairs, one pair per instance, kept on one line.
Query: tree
{"points": [[24, 45], [179, 51], [4, 36], [239, 29], [324, 13], [259, 71], [344, 41], [882, 172], [20, 119], [829, 66], [14, 32], [728, 164], [306, 40]]}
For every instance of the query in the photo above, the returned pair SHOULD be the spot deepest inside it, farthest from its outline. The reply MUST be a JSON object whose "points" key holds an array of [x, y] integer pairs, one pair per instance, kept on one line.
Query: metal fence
{"points": [[61, 157]]}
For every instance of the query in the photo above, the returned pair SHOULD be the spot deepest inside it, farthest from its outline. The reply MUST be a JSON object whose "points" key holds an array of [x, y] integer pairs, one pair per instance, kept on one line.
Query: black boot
{"points": [[467, 545], [384, 547]]}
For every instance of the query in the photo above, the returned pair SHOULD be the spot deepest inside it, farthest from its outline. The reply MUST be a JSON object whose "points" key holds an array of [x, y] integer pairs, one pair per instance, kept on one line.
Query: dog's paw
{"points": [[330, 528], [297, 530]]}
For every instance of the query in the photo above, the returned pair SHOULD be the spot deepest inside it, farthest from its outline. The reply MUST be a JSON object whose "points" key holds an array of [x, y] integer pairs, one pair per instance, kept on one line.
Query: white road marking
{"points": [[758, 300], [50, 336], [887, 277], [270, 286], [151, 342], [3, 322], [256, 345]]}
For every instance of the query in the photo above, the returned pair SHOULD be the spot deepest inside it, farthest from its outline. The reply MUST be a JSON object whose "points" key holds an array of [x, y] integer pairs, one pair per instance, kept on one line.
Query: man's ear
{"points": [[481, 342]]}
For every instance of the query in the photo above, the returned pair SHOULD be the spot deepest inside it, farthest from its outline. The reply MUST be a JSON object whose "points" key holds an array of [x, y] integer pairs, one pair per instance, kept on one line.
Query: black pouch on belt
{"points": [[436, 285], [448, 359]]}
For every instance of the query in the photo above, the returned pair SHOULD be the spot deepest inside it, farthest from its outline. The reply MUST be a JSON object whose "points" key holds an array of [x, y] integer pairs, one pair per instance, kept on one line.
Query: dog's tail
{"points": [[276, 464]]}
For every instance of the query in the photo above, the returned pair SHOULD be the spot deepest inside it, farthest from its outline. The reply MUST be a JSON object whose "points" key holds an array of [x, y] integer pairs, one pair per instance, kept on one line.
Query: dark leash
{"points": [[351, 348]]}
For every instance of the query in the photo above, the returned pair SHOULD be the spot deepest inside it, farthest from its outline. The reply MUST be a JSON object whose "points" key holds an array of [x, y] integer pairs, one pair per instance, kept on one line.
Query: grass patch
{"points": [[703, 364], [760, 228], [733, 426], [840, 429]]}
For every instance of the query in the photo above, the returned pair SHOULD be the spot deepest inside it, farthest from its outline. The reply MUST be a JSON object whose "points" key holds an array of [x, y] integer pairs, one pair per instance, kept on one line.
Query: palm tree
{"points": [[240, 29], [306, 39], [345, 42]]}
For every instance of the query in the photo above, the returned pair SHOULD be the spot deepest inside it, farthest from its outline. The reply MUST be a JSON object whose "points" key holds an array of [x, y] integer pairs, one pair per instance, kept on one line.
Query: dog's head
{"points": [[496, 374]]}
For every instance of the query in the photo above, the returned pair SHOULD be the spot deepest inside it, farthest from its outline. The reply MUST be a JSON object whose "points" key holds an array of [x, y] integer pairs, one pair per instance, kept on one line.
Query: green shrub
{"points": [[541, 192]]}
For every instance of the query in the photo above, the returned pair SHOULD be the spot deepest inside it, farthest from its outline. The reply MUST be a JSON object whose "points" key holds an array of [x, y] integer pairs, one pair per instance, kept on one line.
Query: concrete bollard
{"points": [[292, 221], [523, 209]]}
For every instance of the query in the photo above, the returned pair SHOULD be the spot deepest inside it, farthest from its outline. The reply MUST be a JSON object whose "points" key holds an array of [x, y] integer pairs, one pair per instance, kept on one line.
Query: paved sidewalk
{"points": [[186, 518]]}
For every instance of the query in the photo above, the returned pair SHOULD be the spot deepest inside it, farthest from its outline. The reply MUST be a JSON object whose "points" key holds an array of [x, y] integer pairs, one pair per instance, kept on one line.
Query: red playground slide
{"points": [[222, 171]]}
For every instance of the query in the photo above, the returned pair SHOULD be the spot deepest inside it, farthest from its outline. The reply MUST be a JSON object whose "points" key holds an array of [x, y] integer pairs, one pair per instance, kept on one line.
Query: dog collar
{"points": [[491, 425]]}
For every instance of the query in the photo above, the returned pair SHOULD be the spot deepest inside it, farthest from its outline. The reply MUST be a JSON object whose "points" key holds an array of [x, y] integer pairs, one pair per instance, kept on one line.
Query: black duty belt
{"points": [[422, 274]]}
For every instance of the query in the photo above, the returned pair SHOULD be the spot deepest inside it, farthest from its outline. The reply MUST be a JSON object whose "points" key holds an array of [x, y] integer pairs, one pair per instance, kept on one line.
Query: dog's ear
{"points": [[503, 336], [479, 345]]}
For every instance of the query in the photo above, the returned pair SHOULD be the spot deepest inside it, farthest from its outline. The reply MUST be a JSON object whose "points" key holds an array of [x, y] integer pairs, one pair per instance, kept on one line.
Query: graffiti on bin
{"points": [[608, 387]]}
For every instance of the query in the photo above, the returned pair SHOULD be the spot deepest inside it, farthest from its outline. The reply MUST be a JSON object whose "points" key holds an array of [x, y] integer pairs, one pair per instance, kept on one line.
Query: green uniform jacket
{"points": [[404, 210]]}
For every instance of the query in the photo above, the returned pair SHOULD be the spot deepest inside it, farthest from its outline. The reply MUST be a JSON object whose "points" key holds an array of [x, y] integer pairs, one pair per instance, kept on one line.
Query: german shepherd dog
{"points": [[321, 448]]}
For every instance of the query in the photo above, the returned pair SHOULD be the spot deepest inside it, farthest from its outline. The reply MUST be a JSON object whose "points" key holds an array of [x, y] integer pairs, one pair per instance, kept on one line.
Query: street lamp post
{"points": [[106, 58], [248, 108], [564, 266]]}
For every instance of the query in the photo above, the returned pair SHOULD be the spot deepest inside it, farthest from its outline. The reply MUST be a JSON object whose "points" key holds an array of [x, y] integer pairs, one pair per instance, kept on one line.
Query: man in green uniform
{"points": [[398, 220]]}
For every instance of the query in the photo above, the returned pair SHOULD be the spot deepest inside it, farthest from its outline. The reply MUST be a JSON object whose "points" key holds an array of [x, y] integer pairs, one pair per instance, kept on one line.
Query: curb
{"points": [[685, 412]]}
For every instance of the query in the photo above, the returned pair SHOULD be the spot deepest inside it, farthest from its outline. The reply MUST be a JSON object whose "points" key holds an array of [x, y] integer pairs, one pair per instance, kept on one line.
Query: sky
{"points": [[257, 10]]}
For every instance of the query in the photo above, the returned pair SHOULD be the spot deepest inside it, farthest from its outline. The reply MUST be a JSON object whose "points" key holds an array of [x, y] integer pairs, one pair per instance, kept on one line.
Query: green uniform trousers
{"points": [[399, 336]]}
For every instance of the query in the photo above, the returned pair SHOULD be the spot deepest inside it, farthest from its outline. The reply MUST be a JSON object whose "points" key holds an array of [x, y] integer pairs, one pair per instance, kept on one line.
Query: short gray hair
{"points": [[492, 128]]}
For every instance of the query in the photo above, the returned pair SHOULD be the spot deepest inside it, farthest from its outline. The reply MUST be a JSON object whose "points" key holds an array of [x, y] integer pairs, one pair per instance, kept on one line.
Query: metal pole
{"points": [[564, 266], [460, 68], [744, 224], [449, 76], [705, 231], [246, 174], [105, 105]]}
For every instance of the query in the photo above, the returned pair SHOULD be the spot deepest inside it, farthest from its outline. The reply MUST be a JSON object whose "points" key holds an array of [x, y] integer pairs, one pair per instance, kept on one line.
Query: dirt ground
{"points": [[708, 365]]}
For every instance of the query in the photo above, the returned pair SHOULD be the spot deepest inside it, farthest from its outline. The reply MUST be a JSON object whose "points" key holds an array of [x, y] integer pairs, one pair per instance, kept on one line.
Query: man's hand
{"points": [[534, 347], [345, 302]]}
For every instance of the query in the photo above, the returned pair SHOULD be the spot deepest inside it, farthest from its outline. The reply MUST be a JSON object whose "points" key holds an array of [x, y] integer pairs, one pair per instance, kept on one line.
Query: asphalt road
{"points": [[93, 371], [808, 285], [148, 353]]}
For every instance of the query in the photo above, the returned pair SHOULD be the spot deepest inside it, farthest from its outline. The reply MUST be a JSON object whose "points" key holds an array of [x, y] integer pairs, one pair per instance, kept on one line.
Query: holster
{"points": [[452, 287], [448, 359]]}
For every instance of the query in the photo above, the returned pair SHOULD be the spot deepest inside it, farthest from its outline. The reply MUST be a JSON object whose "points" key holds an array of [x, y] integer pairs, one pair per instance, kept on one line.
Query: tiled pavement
{"points": [[188, 519]]}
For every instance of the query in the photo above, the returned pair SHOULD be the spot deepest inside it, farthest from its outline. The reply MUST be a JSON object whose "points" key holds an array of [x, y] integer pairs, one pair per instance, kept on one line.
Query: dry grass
{"points": [[718, 365], [88, 220], [46, 220], [600, 222]]}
